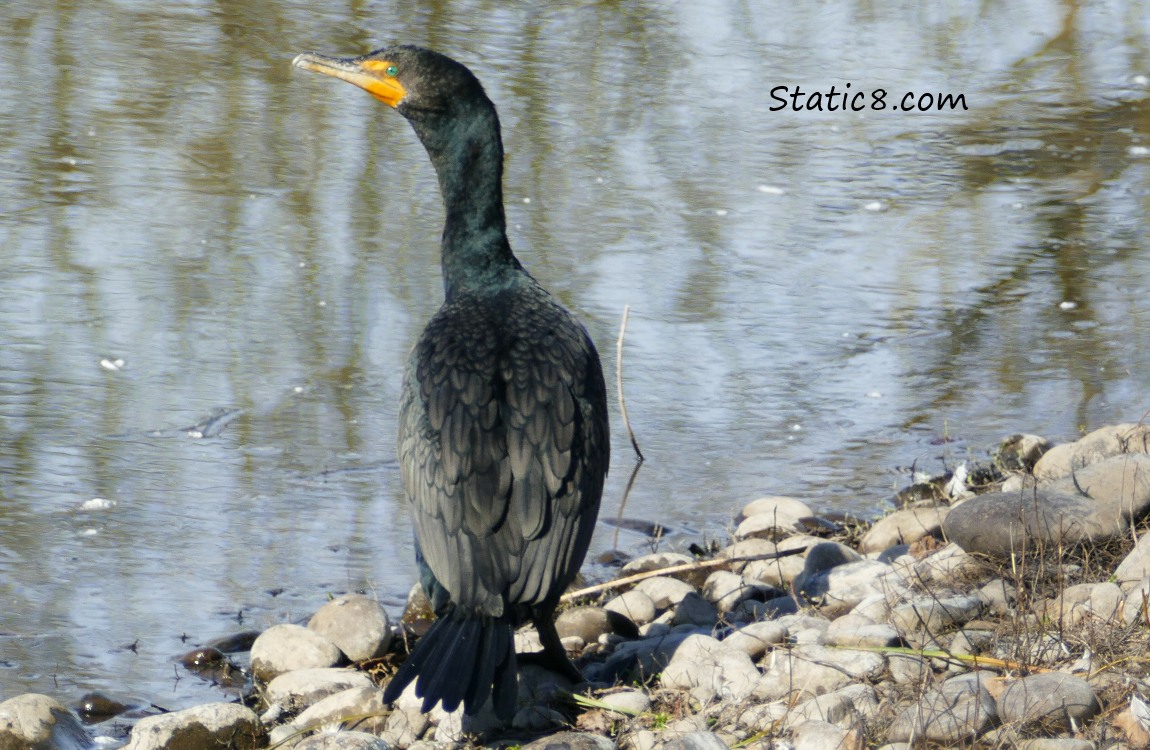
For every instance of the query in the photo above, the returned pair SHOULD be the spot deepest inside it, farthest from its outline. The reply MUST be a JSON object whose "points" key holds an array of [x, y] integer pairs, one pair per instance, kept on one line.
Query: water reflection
{"points": [[817, 297]]}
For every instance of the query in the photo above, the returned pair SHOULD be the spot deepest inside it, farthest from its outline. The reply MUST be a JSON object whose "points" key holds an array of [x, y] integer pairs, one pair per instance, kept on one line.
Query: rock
{"points": [[93, 707], [702, 661], [764, 717], [223, 725], [1056, 700], [934, 614], [845, 706], [772, 518], [950, 565], [359, 708], [37, 721], [295, 691], [841, 588], [695, 610], [641, 658], [286, 648], [344, 740], [998, 597], [234, 643], [1104, 442], [908, 669], [1098, 602], [752, 547], [634, 605], [695, 741], [356, 624], [1001, 524], [775, 505], [406, 723], [755, 611], [571, 741], [1136, 607], [589, 623], [1120, 485], [820, 559], [665, 592], [819, 735], [643, 739], [533, 718], [789, 673], [780, 571], [1135, 566], [856, 630], [655, 561], [727, 590], [754, 639], [1020, 452], [961, 709], [903, 527], [629, 702]]}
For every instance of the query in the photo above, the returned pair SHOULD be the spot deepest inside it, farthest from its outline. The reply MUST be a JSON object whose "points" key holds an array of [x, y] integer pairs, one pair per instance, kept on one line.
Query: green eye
{"points": [[392, 71]]}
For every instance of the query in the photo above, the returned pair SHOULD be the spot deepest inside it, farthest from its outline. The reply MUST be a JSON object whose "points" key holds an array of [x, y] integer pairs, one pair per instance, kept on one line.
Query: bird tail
{"points": [[463, 658]]}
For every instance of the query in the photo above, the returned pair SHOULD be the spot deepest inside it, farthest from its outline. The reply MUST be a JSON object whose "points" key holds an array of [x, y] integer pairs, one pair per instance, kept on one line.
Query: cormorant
{"points": [[503, 436]]}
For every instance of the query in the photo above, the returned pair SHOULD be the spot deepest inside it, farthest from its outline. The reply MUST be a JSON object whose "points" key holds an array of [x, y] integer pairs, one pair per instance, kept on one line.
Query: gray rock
{"points": [[295, 691], [775, 505], [354, 623], [1135, 566], [360, 708], [703, 662], [727, 590], [32, 720], [406, 723], [571, 741], [655, 561], [820, 559], [665, 592], [344, 740], [1098, 602], [1119, 484], [695, 610], [1001, 524], [1054, 743], [856, 630], [951, 565], [841, 588], [589, 623], [641, 658], [819, 735], [1104, 442], [634, 605], [695, 741], [643, 739], [224, 725], [961, 709], [903, 527], [845, 706], [787, 675], [1054, 699], [534, 718], [1136, 607], [752, 547], [998, 596], [933, 614], [909, 669], [754, 639], [628, 702], [755, 611], [286, 648], [781, 571]]}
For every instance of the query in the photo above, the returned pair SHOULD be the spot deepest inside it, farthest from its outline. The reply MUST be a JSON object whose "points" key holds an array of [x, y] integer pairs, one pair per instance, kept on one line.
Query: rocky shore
{"points": [[1005, 604]]}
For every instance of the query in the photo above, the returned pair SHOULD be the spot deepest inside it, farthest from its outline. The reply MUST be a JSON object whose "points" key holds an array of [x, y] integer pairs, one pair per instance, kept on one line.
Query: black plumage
{"points": [[503, 438]]}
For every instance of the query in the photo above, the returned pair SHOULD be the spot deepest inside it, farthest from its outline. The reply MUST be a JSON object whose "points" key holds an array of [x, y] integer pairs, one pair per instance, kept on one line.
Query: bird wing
{"points": [[503, 446]]}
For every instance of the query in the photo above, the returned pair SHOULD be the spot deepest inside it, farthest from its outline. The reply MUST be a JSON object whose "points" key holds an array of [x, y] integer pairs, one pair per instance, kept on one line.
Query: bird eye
{"points": [[391, 71]]}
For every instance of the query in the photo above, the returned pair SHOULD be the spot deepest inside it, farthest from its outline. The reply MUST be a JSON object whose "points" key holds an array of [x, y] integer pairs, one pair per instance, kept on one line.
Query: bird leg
{"points": [[553, 656]]}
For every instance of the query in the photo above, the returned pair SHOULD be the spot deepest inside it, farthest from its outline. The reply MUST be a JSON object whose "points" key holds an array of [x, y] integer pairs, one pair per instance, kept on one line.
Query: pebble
{"points": [[665, 592], [343, 740], [37, 721], [287, 648], [903, 527], [959, 710], [634, 605], [571, 741], [356, 624], [1057, 700], [1104, 442], [295, 691], [702, 661], [589, 623], [819, 735]]}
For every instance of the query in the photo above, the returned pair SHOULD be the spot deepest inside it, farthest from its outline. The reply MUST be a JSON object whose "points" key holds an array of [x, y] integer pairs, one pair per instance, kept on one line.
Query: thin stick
{"points": [[700, 565], [619, 380]]}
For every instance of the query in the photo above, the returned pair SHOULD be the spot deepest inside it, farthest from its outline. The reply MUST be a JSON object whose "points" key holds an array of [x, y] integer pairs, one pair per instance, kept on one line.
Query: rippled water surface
{"points": [[214, 265]]}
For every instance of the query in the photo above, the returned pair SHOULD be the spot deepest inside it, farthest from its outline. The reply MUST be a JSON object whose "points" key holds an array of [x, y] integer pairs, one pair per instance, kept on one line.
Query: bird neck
{"points": [[467, 153]]}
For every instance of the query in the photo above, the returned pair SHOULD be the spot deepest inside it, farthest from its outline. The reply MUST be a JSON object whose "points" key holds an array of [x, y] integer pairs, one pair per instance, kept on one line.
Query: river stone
{"points": [[655, 561], [703, 662], [780, 571], [950, 565], [960, 709], [695, 741], [1104, 442], [1120, 484], [287, 648], [1054, 699], [819, 735], [695, 610], [295, 691], [840, 589], [665, 592], [1055, 743], [841, 707], [344, 740], [356, 624], [1136, 607], [637, 659], [775, 505], [356, 703], [1000, 524], [903, 527], [755, 638], [788, 675], [728, 590], [820, 559], [224, 725], [589, 623], [628, 702], [934, 614], [751, 610], [1135, 566], [571, 741], [857, 630], [908, 669], [1097, 602], [752, 547], [33, 720], [634, 605]]}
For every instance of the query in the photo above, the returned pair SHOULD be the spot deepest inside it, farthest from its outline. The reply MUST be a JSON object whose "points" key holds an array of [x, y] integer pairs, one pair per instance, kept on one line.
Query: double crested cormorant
{"points": [[503, 440]]}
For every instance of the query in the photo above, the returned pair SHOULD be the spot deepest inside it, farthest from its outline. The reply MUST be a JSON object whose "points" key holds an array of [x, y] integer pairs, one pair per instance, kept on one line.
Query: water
{"points": [[193, 231]]}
